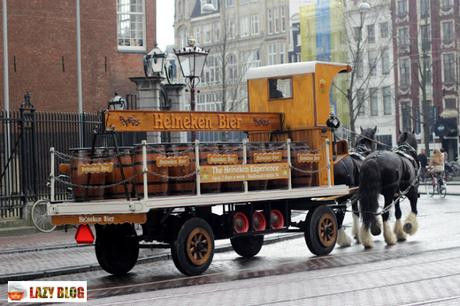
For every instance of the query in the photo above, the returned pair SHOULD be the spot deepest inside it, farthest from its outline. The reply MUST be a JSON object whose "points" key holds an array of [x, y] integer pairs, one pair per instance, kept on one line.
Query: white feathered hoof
{"points": [[365, 237], [411, 225], [398, 230], [390, 238], [342, 239]]}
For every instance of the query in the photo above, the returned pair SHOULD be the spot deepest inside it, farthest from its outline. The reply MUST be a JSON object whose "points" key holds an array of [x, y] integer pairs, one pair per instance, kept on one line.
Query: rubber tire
{"points": [[311, 232], [247, 246], [178, 247], [117, 248]]}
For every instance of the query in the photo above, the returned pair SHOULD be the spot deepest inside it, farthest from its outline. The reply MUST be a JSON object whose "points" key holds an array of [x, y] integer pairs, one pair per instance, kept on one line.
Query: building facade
{"points": [[370, 46], [42, 50], [239, 34], [426, 39]]}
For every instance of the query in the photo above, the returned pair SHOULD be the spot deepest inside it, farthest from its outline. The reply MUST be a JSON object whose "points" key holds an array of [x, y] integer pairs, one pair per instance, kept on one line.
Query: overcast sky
{"points": [[165, 22]]}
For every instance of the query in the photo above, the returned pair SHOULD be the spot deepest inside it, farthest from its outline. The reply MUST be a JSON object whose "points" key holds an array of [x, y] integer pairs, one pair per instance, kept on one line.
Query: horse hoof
{"points": [[407, 228], [376, 230]]}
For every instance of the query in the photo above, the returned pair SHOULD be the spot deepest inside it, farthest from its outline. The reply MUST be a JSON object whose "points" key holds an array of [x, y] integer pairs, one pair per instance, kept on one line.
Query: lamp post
{"points": [[117, 102], [153, 62], [191, 62]]}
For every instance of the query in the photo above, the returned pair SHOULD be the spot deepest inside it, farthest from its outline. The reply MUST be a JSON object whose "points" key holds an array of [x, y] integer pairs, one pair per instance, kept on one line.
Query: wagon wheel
{"points": [[321, 230], [247, 246], [40, 218], [193, 250], [117, 247]]}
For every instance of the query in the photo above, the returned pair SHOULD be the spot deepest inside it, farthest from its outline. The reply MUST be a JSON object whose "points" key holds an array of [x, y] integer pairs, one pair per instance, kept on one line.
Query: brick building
{"points": [[42, 49], [426, 36]]}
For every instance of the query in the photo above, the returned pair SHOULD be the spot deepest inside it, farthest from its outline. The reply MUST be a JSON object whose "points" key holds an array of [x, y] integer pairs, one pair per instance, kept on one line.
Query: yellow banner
{"points": [[95, 168], [268, 157], [173, 161], [250, 172], [222, 159], [307, 157]]}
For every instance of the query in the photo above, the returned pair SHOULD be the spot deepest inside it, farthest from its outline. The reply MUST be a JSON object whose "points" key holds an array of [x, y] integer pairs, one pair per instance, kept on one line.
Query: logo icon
{"points": [[16, 292]]}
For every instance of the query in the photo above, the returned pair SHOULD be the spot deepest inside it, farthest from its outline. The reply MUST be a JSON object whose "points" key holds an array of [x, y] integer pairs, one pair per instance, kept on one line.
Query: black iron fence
{"points": [[25, 140]]}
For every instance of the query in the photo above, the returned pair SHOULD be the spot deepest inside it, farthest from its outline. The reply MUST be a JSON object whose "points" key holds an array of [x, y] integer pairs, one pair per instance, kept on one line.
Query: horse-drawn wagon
{"points": [[186, 195]]}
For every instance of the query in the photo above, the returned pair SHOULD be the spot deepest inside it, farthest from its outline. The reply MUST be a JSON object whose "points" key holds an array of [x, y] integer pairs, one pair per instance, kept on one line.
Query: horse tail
{"points": [[369, 189]]}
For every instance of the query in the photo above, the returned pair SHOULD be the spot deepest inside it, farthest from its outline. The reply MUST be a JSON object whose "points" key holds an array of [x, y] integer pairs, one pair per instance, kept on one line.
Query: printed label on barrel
{"points": [[268, 157], [307, 157], [222, 159], [173, 161], [95, 168]]}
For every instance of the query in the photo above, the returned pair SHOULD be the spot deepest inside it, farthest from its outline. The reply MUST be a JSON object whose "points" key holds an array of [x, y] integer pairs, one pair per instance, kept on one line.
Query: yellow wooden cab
{"points": [[301, 92]]}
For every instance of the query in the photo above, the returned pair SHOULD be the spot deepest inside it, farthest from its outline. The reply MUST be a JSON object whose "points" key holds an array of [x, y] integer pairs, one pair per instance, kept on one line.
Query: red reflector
{"points": [[84, 234]]}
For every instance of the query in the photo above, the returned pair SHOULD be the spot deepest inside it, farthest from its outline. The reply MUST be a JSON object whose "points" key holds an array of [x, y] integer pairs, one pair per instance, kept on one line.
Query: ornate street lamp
{"points": [[117, 102], [191, 61], [153, 62]]}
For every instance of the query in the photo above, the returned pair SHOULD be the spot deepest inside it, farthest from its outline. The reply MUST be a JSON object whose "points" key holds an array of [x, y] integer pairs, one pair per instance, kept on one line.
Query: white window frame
{"points": [[450, 67], [405, 60], [142, 48], [244, 26], [255, 25], [452, 34], [271, 54]]}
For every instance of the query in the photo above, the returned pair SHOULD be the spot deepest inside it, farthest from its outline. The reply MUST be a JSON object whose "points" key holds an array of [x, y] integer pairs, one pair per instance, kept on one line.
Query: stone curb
{"points": [[94, 267]]}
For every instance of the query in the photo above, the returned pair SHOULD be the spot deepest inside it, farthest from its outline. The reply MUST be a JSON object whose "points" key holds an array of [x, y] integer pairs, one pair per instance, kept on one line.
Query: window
{"points": [[244, 26], [229, 3], [270, 20], [283, 19], [282, 52], [207, 34], [280, 88], [372, 61], [374, 101], [424, 8], [386, 62], [425, 32], [404, 72], [131, 25], [272, 54], [447, 32], [448, 62], [277, 19], [254, 58], [231, 29], [406, 116], [357, 32], [255, 25], [216, 30], [402, 8], [370, 34], [360, 102], [359, 67], [231, 67], [426, 65], [446, 4], [403, 37], [197, 33], [386, 94], [384, 30], [450, 103]]}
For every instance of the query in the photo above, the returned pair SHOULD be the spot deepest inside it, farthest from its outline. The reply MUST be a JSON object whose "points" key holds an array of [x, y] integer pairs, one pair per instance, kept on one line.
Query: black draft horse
{"points": [[391, 174], [346, 172]]}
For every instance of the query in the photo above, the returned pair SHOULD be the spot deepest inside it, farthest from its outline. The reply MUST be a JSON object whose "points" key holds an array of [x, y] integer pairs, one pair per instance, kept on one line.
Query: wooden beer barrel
{"points": [[205, 150], [122, 164], [255, 148], [279, 149], [300, 178], [82, 156], [178, 184], [157, 185], [232, 148]]}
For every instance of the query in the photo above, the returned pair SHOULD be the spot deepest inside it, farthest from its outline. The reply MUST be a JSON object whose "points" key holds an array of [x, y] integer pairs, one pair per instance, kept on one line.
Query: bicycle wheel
{"points": [[442, 189], [429, 187], [40, 218]]}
